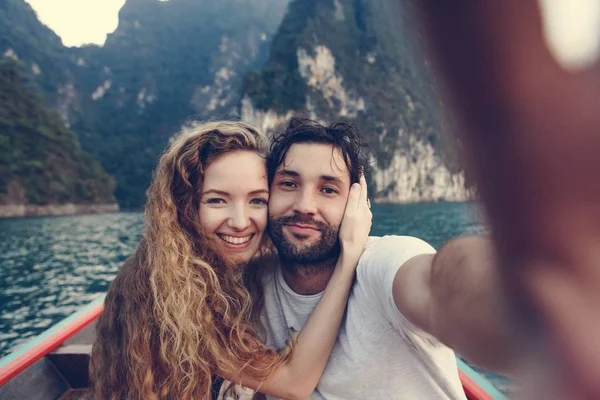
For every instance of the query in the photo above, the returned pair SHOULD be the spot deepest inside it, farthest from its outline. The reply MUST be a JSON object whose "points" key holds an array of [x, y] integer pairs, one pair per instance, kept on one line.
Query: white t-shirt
{"points": [[378, 354]]}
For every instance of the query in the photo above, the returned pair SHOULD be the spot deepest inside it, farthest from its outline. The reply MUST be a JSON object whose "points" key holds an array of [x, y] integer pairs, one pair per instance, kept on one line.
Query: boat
{"points": [[54, 365]]}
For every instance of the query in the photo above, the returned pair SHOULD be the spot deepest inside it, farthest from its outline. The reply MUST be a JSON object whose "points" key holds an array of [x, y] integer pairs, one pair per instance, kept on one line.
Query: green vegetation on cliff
{"points": [[41, 161], [172, 61], [375, 47], [39, 52], [167, 63]]}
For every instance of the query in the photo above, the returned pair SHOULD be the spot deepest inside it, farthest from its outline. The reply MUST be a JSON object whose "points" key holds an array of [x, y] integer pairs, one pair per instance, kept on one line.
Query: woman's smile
{"points": [[236, 242]]}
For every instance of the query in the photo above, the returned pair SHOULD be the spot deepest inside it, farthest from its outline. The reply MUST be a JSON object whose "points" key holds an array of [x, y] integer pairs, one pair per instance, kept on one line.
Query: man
{"points": [[408, 303]]}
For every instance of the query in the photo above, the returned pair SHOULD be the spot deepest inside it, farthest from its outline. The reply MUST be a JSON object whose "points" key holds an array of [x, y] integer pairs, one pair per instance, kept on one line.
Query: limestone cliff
{"points": [[358, 61]]}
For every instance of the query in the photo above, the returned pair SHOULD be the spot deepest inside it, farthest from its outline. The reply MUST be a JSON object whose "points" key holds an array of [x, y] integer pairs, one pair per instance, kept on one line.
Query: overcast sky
{"points": [[573, 25]]}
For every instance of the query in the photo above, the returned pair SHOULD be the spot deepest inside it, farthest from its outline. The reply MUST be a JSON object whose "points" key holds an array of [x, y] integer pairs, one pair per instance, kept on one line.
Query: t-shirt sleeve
{"points": [[377, 270]]}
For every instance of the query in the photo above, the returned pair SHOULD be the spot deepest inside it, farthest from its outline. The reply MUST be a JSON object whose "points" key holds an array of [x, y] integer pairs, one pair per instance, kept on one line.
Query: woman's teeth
{"points": [[235, 240]]}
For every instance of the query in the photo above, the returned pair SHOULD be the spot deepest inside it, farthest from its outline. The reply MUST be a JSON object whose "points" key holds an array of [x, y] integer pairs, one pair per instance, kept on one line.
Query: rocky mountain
{"points": [[37, 52], [42, 166], [173, 61], [168, 62], [357, 60]]}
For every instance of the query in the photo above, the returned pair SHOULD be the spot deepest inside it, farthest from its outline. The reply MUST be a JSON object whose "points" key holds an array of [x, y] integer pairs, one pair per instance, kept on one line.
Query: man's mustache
{"points": [[300, 219]]}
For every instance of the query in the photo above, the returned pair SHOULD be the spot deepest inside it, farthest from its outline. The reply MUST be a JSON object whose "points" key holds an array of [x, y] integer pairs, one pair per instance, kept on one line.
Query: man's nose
{"points": [[239, 219], [307, 203]]}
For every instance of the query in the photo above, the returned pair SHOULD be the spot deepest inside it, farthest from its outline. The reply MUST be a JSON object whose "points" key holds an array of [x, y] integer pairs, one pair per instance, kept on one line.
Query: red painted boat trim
{"points": [[52, 342], [472, 389]]}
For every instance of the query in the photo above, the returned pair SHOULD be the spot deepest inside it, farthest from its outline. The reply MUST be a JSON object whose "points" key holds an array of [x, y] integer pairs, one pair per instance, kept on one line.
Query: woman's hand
{"points": [[356, 223]]}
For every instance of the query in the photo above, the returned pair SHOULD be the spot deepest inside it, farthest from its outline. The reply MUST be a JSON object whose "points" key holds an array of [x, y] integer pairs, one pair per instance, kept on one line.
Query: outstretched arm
{"points": [[530, 129], [455, 295], [298, 377]]}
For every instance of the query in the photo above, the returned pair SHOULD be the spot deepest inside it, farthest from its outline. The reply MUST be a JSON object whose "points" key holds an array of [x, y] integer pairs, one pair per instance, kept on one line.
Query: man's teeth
{"points": [[235, 240]]}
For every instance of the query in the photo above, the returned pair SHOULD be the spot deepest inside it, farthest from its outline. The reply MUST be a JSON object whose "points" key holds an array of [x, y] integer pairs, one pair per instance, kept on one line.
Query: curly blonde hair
{"points": [[177, 313]]}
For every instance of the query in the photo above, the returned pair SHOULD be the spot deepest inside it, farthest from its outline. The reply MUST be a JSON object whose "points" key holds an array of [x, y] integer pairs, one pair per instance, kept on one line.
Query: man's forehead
{"points": [[320, 158]]}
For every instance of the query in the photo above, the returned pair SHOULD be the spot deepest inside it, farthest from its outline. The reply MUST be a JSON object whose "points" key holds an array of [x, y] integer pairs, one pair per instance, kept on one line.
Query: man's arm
{"points": [[455, 296], [530, 131]]}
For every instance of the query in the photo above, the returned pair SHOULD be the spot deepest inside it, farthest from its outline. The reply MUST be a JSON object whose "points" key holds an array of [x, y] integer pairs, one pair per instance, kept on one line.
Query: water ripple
{"points": [[51, 266]]}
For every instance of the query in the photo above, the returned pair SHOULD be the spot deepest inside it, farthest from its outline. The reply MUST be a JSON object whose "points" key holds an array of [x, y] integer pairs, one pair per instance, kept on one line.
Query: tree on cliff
{"points": [[41, 161]]}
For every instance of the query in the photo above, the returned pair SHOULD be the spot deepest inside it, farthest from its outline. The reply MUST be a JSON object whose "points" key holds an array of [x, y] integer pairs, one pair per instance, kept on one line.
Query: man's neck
{"points": [[308, 280]]}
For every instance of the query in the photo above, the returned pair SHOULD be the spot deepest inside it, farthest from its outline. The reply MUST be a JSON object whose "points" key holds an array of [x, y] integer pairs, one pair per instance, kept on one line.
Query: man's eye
{"points": [[329, 190], [259, 201], [215, 201], [287, 184]]}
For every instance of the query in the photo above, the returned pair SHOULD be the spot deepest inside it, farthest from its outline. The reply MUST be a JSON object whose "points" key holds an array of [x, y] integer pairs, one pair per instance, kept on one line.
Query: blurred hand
{"points": [[531, 132]]}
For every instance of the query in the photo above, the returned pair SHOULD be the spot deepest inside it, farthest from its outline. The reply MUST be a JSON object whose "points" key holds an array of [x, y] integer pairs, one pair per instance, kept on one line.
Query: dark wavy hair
{"points": [[341, 135]]}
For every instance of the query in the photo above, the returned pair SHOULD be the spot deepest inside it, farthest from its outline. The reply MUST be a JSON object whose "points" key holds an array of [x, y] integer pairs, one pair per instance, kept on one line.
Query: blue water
{"points": [[51, 266]]}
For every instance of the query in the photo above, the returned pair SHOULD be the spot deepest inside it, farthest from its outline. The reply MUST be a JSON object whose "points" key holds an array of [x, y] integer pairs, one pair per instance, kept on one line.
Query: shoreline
{"points": [[472, 199], [32, 210]]}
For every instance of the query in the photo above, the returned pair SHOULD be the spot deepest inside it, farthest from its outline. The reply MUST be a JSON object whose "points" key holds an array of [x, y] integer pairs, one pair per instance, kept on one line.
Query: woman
{"points": [[181, 310]]}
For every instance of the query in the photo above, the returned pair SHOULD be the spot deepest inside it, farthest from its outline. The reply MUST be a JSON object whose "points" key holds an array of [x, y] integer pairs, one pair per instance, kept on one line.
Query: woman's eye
{"points": [[215, 201], [259, 201]]}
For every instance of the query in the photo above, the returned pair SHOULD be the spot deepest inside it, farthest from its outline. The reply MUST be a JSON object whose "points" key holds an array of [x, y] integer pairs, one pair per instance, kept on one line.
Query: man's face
{"points": [[307, 203]]}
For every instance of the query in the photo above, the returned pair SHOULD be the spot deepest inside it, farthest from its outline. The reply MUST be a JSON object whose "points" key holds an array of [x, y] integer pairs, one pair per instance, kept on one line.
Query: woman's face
{"points": [[233, 203]]}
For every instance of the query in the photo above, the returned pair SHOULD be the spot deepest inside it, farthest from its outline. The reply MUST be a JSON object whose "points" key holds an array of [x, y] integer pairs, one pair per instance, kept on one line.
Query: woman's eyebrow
{"points": [[259, 191], [214, 191]]}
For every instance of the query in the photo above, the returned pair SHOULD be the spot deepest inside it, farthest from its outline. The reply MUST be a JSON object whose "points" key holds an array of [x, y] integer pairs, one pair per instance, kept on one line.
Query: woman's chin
{"points": [[240, 257], [241, 260]]}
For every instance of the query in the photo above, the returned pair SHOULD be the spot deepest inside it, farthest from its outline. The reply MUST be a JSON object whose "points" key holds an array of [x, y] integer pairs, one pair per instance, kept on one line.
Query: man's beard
{"points": [[309, 259]]}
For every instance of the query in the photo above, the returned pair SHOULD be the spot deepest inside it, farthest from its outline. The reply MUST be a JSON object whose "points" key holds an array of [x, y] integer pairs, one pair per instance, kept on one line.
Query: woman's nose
{"points": [[239, 219]]}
